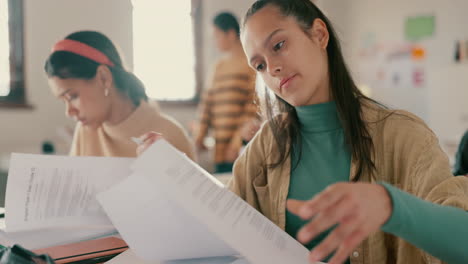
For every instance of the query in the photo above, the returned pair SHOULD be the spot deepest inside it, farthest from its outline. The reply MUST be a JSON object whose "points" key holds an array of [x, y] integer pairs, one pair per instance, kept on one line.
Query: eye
{"points": [[71, 97], [260, 67], [278, 46]]}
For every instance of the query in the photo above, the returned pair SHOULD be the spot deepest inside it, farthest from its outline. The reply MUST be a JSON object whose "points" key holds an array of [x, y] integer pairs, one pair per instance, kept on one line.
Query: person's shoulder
{"points": [[170, 125], [265, 134], [396, 124]]}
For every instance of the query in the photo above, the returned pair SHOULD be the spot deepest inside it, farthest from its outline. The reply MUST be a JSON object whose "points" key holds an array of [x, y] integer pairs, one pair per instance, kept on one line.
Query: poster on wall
{"points": [[418, 28], [392, 65]]}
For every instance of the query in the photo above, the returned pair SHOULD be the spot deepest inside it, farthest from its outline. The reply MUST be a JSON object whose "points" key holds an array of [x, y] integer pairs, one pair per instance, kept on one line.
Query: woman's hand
{"points": [[358, 209], [148, 139]]}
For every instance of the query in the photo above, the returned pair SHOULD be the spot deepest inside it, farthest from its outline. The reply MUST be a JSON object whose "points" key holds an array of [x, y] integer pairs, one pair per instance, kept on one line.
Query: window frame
{"points": [[17, 95]]}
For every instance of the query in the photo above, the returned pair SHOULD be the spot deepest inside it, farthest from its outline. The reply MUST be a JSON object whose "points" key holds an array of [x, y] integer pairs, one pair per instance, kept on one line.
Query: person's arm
{"points": [[176, 135], [204, 109], [204, 120], [431, 215], [439, 230], [360, 209], [250, 114], [75, 149]]}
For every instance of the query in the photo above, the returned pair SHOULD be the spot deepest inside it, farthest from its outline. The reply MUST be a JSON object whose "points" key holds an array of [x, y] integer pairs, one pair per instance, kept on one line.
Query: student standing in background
{"points": [[228, 103], [110, 104]]}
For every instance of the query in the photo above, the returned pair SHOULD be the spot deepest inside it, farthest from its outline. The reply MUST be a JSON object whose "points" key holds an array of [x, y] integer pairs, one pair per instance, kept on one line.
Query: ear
{"points": [[319, 33], [104, 76]]}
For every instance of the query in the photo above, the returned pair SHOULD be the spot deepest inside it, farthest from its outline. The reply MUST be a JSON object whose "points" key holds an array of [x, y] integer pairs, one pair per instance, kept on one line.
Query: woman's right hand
{"points": [[148, 139]]}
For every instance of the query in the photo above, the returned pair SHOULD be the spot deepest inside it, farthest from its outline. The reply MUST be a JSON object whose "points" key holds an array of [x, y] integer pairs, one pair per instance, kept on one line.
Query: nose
{"points": [[70, 110], [274, 67]]}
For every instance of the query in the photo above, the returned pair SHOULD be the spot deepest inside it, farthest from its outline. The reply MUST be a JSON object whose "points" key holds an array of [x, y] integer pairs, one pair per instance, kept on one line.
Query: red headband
{"points": [[82, 49]]}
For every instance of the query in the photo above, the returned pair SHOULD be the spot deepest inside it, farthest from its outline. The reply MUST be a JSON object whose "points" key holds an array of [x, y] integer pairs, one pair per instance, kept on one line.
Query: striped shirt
{"points": [[228, 103]]}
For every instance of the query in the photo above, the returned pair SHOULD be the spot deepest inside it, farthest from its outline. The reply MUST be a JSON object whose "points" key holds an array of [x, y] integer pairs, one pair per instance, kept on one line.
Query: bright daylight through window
{"points": [[4, 50], [164, 57]]}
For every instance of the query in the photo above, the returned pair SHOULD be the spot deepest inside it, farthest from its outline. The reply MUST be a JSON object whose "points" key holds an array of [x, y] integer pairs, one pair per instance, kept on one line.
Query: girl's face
{"points": [[85, 100], [293, 63]]}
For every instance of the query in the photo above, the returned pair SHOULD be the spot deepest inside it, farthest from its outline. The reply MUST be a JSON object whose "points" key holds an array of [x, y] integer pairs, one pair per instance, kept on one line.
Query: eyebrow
{"points": [[266, 42], [65, 92]]}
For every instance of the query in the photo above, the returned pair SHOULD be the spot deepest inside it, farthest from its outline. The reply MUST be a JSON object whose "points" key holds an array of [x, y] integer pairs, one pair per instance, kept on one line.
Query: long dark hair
{"points": [[64, 65], [347, 96]]}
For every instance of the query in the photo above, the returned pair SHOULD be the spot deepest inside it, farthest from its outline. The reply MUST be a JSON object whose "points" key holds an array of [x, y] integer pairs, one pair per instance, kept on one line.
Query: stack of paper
{"points": [[181, 211], [51, 200], [167, 208]]}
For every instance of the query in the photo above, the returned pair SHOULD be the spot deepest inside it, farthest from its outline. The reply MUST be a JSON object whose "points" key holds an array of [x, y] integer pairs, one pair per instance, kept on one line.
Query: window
{"points": [[4, 54], [164, 50], [11, 53]]}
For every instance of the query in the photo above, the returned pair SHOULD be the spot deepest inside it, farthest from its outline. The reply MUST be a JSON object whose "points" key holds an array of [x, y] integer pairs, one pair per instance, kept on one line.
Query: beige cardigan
{"points": [[114, 141], [407, 155]]}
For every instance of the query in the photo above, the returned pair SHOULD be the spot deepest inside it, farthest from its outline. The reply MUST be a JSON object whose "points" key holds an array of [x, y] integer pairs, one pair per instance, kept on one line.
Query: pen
{"points": [[137, 140]]}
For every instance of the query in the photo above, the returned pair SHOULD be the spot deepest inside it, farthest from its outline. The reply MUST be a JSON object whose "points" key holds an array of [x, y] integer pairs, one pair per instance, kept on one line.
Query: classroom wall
{"points": [[441, 101], [46, 21], [24, 130]]}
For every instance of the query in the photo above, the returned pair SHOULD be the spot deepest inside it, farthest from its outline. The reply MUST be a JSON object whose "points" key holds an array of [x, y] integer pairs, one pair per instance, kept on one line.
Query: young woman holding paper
{"points": [[86, 71], [352, 180]]}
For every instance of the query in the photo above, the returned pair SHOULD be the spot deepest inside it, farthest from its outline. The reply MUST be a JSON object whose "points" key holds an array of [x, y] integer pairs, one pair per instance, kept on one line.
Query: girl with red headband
{"points": [[110, 104]]}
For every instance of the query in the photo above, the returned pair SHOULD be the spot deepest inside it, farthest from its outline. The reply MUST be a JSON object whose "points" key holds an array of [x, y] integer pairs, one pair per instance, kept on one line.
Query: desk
{"points": [[93, 251], [42, 238]]}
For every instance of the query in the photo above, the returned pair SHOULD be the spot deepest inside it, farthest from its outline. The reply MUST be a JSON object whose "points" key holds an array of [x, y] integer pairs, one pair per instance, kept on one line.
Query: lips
{"points": [[285, 81], [81, 120]]}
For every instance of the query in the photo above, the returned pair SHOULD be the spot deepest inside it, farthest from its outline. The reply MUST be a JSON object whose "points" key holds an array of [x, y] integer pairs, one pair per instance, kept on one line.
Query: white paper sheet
{"points": [[130, 257], [155, 227], [59, 191], [198, 196]]}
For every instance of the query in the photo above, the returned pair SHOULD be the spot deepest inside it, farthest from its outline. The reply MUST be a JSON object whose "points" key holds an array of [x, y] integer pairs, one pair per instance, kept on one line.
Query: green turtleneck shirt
{"points": [[325, 159]]}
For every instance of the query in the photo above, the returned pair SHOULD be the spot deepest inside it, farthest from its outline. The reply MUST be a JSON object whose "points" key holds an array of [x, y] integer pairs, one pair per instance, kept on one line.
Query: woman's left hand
{"points": [[358, 209], [148, 139]]}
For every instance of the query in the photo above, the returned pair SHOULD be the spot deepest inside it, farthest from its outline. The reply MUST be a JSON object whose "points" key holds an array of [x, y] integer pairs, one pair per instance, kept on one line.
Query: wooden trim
{"points": [[13, 105], [197, 22], [17, 96], [181, 103]]}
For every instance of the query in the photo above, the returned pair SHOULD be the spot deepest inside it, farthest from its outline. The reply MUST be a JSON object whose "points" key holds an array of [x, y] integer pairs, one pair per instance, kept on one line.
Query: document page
{"points": [[200, 196], [59, 191], [154, 226]]}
